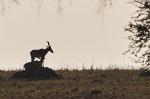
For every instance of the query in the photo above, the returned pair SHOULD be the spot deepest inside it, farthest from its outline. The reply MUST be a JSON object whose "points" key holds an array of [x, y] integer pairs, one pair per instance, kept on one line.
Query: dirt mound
{"points": [[43, 73], [34, 70]]}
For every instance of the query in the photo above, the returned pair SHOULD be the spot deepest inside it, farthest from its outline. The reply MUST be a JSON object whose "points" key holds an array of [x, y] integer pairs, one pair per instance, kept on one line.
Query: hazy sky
{"points": [[78, 35]]}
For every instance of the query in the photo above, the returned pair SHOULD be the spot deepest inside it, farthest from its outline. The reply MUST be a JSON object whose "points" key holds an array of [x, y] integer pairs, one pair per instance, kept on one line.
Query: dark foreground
{"points": [[85, 84]]}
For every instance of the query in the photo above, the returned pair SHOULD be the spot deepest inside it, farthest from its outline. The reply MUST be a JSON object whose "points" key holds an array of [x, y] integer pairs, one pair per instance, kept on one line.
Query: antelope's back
{"points": [[38, 52]]}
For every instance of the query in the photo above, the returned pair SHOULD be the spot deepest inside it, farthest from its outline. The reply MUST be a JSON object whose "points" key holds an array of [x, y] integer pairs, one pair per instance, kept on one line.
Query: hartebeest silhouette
{"points": [[40, 53]]}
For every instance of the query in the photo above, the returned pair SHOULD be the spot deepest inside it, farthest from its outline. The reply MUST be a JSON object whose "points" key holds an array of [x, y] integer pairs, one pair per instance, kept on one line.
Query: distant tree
{"points": [[139, 27]]}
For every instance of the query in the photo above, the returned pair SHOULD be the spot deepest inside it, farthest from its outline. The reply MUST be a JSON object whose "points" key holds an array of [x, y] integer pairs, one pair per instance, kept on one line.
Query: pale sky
{"points": [[78, 35]]}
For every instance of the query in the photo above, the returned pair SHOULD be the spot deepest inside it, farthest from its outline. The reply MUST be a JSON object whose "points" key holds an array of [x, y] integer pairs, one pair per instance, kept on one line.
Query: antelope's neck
{"points": [[46, 51]]}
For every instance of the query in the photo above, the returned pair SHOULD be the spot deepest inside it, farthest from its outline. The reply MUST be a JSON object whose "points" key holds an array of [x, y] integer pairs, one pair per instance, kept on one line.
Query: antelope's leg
{"points": [[42, 61], [32, 58]]}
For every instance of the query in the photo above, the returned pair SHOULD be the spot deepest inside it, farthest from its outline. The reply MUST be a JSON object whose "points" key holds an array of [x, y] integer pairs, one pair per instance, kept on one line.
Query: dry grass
{"points": [[84, 84]]}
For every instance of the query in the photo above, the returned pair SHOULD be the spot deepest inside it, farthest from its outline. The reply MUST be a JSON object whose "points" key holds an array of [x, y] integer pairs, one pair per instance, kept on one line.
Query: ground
{"points": [[78, 84]]}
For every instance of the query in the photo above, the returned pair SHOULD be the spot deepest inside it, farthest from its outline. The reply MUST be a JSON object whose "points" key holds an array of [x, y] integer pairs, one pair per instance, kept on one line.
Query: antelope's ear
{"points": [[47, 46]]}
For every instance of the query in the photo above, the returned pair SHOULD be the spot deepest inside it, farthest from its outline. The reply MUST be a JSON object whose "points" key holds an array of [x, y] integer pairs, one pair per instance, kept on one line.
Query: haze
{"points": [[78, 34]]}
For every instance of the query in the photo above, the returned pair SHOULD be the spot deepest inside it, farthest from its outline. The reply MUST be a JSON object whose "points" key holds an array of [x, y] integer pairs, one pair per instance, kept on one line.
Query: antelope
{"points": [[40, 53]]}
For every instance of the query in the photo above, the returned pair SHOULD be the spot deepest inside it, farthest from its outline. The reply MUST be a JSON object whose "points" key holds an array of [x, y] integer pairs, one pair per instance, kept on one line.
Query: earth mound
{"points": [[34, 70]]}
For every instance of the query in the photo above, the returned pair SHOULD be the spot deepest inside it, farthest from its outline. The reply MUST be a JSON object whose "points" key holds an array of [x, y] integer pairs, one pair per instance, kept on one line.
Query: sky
{"points": [[78, 32]]}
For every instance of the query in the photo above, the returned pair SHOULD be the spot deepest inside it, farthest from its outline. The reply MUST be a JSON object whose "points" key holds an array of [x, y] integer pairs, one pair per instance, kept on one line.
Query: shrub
{"points": [[144, 71]]}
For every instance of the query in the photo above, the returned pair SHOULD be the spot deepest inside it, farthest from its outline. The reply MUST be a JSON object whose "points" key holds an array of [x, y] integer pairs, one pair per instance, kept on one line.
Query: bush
{"points": [[144, 72]]}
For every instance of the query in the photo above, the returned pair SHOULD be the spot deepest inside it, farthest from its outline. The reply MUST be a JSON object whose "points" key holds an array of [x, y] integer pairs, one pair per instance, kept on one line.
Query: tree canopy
{"points": [[139, 27]]}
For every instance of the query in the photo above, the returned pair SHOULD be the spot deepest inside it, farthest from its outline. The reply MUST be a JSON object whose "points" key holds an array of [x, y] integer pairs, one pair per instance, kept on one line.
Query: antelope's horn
{"points": [[48, 43]]}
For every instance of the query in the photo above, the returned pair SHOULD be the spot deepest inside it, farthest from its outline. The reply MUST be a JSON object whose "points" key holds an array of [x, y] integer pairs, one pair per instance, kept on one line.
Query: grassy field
{"points": [[78, 84]]}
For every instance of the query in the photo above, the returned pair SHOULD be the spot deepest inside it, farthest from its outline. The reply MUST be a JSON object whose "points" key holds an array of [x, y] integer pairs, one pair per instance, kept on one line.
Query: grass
{"points": [[78, 84]]}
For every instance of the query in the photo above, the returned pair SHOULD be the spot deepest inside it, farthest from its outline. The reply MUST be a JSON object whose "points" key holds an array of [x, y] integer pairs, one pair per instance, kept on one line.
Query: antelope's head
{"points": [[49, 47]]}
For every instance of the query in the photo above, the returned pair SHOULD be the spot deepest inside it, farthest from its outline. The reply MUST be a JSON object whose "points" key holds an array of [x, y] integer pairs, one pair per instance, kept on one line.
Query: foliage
{"points": [[139, 27], [144, 72]]}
